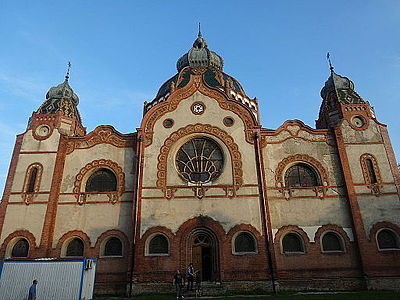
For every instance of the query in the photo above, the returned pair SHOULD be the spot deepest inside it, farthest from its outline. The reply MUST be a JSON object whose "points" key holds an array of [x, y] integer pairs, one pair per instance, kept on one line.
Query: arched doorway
{"points": [[203, 253]]}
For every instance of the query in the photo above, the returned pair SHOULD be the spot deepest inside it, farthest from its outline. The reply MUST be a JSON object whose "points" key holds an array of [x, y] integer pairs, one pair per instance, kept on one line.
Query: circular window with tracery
{"points": [[199, 160]]}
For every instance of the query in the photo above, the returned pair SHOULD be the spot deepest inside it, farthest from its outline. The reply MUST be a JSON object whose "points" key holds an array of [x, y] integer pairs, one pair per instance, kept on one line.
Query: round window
{"points": [[199, 160], [358, 121]]}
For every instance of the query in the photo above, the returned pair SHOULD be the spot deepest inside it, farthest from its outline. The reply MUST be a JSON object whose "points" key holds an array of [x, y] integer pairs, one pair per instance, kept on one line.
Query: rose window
{"points": [[200, 160]]}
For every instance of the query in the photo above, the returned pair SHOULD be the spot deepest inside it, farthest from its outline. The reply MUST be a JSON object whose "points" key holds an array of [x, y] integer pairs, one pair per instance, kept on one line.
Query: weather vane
{"points": [[328, 57], [69, 67]]}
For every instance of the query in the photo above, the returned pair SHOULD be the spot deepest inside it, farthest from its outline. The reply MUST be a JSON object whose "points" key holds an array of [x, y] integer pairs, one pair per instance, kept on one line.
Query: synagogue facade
{"points": [[201, 181]]}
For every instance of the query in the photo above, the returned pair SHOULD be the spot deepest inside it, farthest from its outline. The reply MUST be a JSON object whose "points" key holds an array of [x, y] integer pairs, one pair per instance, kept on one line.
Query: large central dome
{"points": [[200, 56]]}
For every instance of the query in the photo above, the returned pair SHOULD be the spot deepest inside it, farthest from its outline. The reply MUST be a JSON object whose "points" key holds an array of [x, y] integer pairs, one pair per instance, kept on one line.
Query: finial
{"points": [[328, 57], [199, 35], [69, 67]]}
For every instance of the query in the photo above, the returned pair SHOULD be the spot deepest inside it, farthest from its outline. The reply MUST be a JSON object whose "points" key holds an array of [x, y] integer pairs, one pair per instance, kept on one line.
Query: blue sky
{"points": [[122, 51]]}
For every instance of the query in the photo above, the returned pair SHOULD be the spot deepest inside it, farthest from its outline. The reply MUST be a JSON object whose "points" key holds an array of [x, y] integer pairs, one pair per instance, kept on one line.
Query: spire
{"points": [[200, 55], [67, 75], [199, 34], [328, 57]]}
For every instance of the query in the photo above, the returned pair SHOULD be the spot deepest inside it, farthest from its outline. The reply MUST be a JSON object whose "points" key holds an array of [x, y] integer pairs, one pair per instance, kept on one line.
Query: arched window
{"points": [[292, 243], [387, 239], [301, 175], [103, 180], [245, 243], [371, 171], [331, 242], [32, 180], [200, 160], [75, 247], [158, 245], [20, 249], [113, 247]]}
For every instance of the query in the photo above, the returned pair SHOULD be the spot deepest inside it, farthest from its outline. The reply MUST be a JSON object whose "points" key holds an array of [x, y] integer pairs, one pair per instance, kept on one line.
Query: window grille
{"points": [[300, 175], [244, 242], [387, 239], [113, 247], [20, 249], [158, 245], [75, 248], [331, 242], [103, 180], [200, 160], [292, 243]]}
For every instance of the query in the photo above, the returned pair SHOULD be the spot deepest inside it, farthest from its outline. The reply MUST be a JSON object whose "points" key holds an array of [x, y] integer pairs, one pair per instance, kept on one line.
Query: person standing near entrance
{"points": [[32, 291], [178, 282], [190, 277]]}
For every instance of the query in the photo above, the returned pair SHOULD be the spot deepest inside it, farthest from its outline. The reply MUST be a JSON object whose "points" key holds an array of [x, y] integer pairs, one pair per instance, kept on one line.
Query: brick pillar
{"points": [[51, 211], [355, 213], [10, 179]]}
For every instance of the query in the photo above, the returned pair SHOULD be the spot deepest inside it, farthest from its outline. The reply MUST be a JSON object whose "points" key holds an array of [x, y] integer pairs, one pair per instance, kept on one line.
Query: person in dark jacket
{"points": [[178, 282]]}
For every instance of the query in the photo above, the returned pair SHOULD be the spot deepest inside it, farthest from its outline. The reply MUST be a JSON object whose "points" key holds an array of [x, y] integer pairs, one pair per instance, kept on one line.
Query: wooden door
{"points": [[197, 258]]}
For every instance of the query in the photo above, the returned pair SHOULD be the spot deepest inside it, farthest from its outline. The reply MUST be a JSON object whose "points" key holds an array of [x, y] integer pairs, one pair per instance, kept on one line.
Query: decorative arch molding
{"points": [[382, 225], [196, 83], [291, 228], [244, 227], [332, 227], [101, 135], [105, 236], [90, 168], [375, 187], [200, 221], [335, 229], [150, 233], [27, 195], [233, 148], [291, 160], [15, 236], [69, 236], [237, 229]]}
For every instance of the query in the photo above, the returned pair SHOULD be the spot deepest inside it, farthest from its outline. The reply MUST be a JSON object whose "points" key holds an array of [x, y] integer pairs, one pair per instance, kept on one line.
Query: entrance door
{"points": [[202, 257]]}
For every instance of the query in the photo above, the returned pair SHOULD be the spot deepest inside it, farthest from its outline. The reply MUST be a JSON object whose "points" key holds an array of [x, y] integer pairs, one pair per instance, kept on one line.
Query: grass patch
{"points": [[365, 295]]}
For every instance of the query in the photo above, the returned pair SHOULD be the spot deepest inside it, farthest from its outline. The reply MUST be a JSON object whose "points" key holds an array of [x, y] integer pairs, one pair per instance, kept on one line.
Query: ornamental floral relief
{"points": [[198, 128], [90, 168], [196, 83], [101, 135]]}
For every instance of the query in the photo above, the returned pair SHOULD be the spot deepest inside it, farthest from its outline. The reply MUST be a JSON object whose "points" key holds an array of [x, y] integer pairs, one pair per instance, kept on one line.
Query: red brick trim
{"points": [[185, 234], [51, 211], [70, 235], [101, 135], [229, 142], [381, 225], [19, 234], [10, 179], [28, 197], [332, 228], [377, 187], [152, 232], [291, 160], [109, 234], [234, 231], [288, 229], [195, 84], [354, 209], [391, 157], [89, 169]]}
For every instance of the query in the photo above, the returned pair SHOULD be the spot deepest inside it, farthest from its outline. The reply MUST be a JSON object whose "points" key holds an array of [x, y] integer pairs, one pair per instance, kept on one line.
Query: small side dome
{"points": [[64, 91], [200, 56]]}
